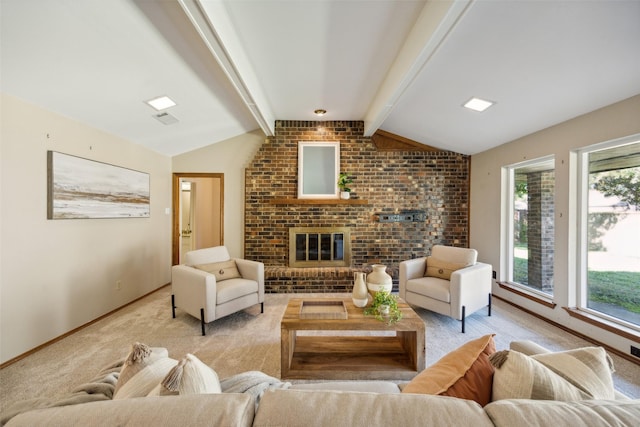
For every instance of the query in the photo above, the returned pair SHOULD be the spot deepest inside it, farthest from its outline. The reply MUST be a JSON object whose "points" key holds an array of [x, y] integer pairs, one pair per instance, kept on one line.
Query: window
{"points": [[530, 230], [609, 244]]}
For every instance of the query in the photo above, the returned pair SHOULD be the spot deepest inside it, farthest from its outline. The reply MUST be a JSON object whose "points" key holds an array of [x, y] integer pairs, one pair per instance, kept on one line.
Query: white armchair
{"points": [[426, 285], [208, 286]]}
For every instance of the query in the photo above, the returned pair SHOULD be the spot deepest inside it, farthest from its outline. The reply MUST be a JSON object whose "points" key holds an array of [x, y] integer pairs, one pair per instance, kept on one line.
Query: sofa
{"points": [[358, 403]]}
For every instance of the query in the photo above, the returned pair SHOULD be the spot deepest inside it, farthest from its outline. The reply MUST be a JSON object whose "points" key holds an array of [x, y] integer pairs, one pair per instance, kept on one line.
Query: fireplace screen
{"points": [[319, 247]]}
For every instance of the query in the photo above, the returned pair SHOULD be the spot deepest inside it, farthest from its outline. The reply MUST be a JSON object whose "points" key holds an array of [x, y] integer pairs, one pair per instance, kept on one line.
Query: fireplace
{"points": [[319, 247]]}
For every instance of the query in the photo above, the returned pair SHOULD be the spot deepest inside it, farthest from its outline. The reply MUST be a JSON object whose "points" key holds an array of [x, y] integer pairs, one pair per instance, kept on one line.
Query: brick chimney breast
{"points": [[388, 182]]}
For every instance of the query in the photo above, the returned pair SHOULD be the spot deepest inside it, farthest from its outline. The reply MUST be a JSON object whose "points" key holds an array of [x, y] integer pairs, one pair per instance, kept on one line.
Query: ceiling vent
{"points": [[165, 118]]}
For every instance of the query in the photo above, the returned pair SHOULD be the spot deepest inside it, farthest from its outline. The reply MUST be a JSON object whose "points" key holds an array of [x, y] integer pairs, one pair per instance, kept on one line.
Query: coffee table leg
{"points": [[413, 344], [287, 347]]}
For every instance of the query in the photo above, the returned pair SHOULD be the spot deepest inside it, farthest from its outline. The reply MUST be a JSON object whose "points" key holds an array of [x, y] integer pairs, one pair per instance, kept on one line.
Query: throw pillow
{"points": [[575, 375], [465, 373], [587, 368], [222, 270], [140, 356], [142, 370], [189, 376], [441, 269]]}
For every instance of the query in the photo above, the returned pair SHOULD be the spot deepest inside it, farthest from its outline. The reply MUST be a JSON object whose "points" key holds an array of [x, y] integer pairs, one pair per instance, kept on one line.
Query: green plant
{"points": [[343, 180], [382, 298]]}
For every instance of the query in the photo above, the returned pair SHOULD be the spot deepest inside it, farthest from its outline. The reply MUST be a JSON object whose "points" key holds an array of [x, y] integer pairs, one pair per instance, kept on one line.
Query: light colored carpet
{"points": [[248, 341]]}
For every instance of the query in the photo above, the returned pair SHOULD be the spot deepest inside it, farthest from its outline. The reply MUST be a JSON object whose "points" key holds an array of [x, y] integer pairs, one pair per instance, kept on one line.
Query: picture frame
{"points": [[79, 188], [318, 169]]}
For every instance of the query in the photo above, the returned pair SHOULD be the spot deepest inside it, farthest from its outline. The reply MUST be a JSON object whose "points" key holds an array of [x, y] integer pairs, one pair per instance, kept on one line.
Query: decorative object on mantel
{"points": [[359, 295], [343, 181], [378, 280], [404, 216], [384, 307]]}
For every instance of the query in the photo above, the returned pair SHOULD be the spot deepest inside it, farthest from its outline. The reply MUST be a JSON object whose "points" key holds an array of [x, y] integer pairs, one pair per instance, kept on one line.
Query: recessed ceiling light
{"points": [[161, 103], [478, 104], [320, 112]]}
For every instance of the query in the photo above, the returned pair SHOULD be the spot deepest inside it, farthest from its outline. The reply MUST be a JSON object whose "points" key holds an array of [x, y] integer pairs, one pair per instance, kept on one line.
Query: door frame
{"points": [[175, 248]]}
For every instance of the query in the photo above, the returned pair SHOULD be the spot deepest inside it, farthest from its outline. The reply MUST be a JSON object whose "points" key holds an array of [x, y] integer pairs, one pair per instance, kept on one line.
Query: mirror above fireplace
{"points": [[318, 169]]}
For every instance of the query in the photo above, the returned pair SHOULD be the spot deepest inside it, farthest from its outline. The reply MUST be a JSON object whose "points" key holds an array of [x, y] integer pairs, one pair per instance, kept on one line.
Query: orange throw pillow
{"points": [[465, 373]]}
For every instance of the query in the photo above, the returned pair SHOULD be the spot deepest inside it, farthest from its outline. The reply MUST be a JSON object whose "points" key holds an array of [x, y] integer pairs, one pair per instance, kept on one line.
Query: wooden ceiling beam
{"points": [[387, 141]]}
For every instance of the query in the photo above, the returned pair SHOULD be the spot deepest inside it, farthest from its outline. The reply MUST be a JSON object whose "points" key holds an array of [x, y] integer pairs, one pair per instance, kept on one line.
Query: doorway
{"points": [[198, 212]]}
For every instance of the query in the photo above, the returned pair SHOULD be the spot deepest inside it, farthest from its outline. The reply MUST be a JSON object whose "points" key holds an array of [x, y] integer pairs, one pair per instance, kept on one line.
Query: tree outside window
{"points": [[613, 232]]}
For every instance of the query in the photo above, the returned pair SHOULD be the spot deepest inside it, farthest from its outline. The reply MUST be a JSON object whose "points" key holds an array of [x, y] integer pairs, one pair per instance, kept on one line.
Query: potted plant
{"points": [[384, 307], [343, 181]]}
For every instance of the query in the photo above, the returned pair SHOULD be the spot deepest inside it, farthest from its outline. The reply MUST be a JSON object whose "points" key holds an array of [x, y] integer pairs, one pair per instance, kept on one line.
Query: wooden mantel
{"points": [[387, 141], [318, 202]]}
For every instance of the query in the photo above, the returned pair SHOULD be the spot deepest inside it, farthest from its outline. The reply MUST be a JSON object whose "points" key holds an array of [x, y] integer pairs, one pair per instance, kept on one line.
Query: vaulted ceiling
{"points": [[405, 67]]}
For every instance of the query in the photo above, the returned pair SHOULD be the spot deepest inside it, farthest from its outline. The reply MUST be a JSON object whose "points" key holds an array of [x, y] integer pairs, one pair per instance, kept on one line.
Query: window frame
{"points": [[508, 199], [581, 265]]}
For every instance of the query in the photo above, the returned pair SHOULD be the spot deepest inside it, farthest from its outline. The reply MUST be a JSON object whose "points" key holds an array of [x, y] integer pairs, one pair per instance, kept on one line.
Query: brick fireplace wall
{"points": [[390, 181]]}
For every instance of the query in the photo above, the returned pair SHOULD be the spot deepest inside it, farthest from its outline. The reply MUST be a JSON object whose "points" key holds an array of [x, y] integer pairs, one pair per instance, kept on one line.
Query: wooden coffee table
{"points": [[347, 348]]}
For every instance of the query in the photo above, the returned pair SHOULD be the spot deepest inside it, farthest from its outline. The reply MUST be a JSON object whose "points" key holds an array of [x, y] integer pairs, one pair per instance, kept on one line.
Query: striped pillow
{"points": [[579, 374], [589, 369]]}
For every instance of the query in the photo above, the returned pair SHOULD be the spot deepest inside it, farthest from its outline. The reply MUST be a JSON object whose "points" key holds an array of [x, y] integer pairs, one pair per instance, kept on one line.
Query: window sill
{"points": [[547, 302], [603, 324]]}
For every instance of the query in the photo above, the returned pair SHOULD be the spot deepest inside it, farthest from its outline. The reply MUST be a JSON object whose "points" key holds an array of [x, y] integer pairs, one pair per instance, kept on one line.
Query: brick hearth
{"points": [[384, 182]]}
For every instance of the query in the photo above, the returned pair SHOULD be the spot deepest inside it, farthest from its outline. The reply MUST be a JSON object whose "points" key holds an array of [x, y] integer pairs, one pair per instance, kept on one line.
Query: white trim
{"points": [[579, 260], [507, 212]]}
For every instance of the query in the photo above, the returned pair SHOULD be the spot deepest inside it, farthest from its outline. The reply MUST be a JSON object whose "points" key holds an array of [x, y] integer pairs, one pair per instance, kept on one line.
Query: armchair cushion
{"points": [[229, 290], [442, 269], [431, 287], [222, 270]]}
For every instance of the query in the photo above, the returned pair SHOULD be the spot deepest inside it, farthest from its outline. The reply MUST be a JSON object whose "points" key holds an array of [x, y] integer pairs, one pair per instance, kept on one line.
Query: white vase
{"points": [[378, 280], [345, 195], [359, 295]]}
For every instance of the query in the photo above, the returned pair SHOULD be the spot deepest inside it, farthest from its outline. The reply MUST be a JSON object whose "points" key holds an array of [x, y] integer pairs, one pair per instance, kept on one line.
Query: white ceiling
{"points": [[402, 66]]}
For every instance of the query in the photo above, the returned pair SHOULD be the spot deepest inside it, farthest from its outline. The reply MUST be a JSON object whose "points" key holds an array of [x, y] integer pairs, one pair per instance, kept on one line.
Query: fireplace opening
{"points": [[319, 247]]}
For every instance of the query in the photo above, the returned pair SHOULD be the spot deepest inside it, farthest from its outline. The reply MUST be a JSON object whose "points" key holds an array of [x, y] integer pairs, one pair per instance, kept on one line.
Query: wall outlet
{"points": [[118, 284], [635, 351], [495, 275]]}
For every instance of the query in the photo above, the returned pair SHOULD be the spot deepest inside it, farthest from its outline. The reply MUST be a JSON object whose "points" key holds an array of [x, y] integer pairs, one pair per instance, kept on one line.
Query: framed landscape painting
{"points": [[82, 188]]}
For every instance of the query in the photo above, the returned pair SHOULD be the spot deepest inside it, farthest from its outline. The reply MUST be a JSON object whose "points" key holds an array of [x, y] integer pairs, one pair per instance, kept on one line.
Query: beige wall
{"points": [[615, 121], [230, 158], [57, 275]]}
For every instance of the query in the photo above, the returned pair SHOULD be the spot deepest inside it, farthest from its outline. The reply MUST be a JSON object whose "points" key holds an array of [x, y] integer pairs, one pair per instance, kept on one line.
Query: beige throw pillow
{"points": [[189, 376], [222, 270], [588, 368], [574, 375], [441, 269], [140, 356], [143, 369]]}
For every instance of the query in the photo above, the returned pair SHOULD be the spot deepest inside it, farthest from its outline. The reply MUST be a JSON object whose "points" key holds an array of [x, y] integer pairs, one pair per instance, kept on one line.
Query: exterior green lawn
{"points": [[621, 288]]}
